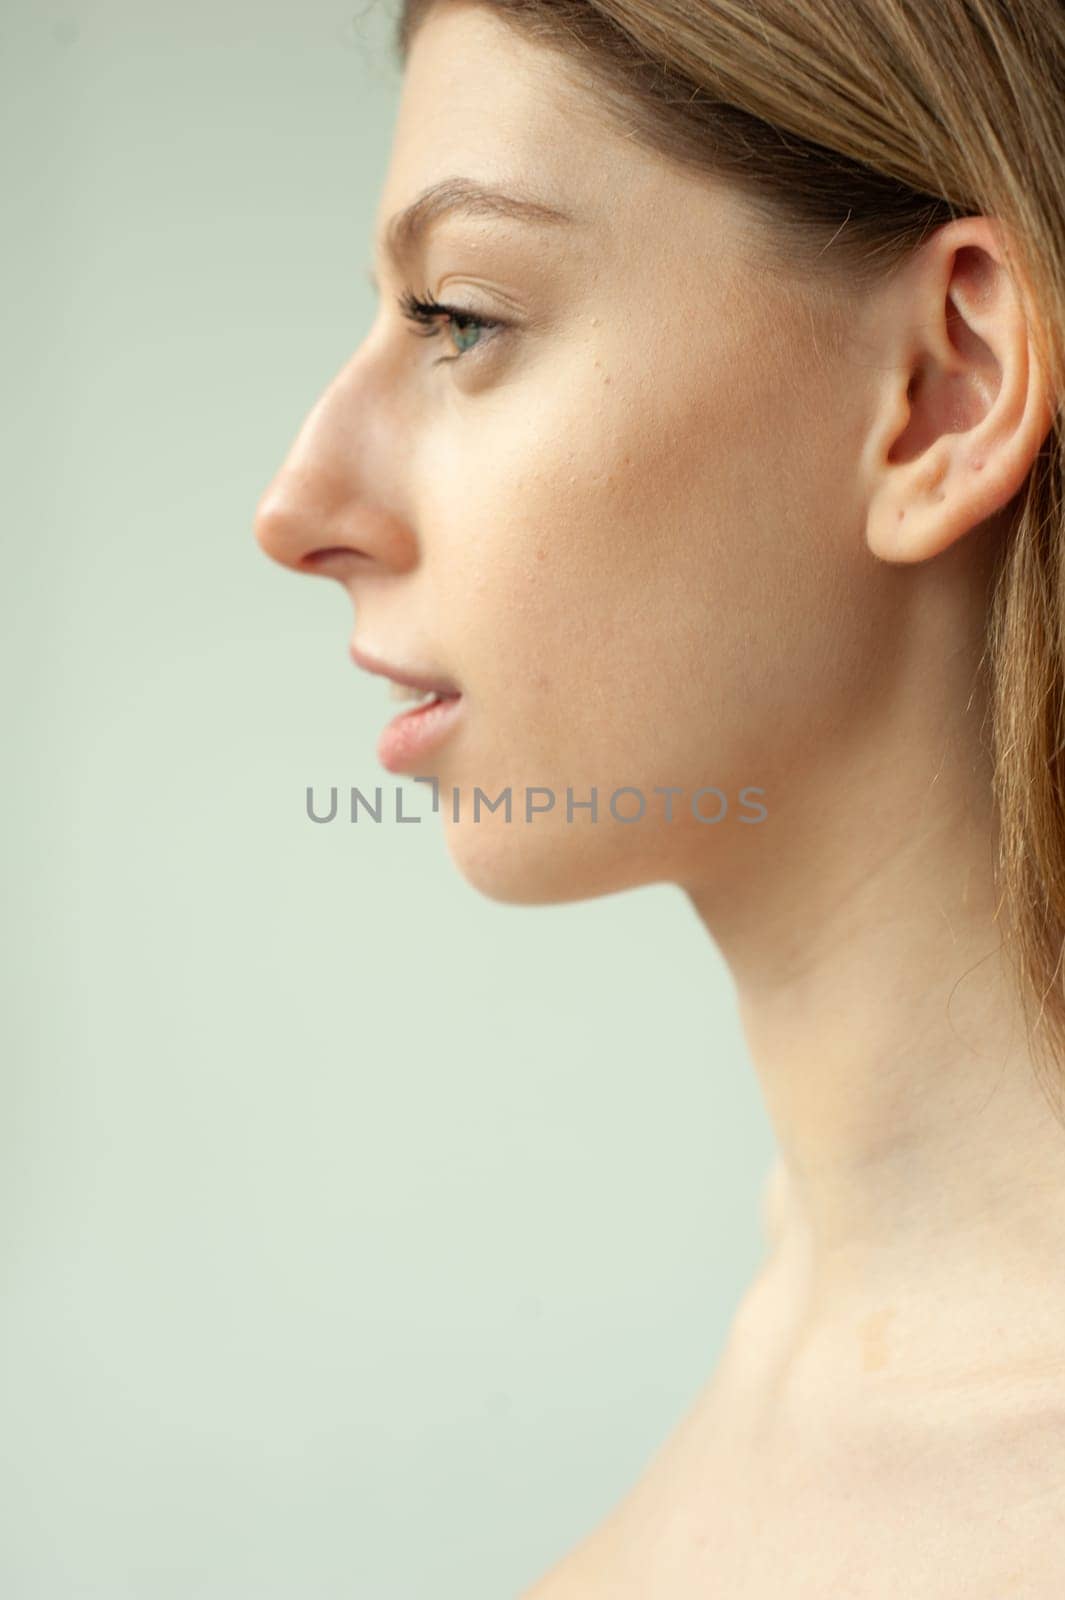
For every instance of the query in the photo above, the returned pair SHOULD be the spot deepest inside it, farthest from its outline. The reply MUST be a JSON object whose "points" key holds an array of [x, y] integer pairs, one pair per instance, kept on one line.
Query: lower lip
{"points": [[414, 734]]}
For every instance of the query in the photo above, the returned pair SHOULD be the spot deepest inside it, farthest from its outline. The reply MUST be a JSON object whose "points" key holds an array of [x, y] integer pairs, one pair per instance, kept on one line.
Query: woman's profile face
{"points": [[624, 520]]}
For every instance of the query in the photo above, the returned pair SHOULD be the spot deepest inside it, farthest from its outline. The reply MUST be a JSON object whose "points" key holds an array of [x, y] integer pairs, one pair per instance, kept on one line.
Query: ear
{"points": [[962, 406]]}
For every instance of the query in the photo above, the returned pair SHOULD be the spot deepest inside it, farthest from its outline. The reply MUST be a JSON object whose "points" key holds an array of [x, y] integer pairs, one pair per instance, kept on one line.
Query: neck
{"points": [[920, 1187]]}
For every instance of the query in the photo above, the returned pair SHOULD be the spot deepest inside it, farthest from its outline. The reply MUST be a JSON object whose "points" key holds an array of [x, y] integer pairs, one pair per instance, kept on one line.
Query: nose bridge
{"points": [[323, 494]]}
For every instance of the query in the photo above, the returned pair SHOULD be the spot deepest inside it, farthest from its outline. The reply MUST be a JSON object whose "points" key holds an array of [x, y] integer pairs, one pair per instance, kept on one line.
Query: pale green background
{"points": [[361, 1237]]}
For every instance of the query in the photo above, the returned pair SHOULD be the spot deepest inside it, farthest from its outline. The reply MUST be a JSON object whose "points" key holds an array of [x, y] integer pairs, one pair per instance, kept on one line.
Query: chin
{"points": [[548, 863]]}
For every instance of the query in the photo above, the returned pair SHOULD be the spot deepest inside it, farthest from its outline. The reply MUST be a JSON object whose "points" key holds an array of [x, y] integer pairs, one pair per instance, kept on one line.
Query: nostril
{"points": [[329, 555], [330, 561]]}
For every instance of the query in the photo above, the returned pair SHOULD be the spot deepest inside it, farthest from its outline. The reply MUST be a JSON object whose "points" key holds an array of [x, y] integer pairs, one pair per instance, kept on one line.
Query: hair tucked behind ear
{"points": [[864, 124]]}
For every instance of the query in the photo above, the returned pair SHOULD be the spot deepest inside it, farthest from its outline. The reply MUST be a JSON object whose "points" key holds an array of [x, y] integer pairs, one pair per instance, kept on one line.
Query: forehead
{"points": [[479, 99], [482, 101]]}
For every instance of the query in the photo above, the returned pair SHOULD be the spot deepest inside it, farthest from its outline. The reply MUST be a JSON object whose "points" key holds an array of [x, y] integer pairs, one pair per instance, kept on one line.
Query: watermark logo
{"points": [[627, 804]]}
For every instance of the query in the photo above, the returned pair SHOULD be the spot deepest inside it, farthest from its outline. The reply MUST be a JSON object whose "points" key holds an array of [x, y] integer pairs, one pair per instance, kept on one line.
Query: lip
{"points": [[417, 680], [414, 735]]}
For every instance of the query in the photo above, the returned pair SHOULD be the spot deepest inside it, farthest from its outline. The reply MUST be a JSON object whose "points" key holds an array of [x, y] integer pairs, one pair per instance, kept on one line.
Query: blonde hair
{"points": [[864, 124]]}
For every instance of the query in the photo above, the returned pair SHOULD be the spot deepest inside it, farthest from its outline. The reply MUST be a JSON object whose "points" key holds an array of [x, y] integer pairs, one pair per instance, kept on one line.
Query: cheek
{"points": [[642, 580]]}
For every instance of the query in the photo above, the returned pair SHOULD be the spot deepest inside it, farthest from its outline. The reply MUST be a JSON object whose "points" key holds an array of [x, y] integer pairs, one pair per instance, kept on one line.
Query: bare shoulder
{"points": [[973, 1512], [593, 1568], [607, 1563], [583, 1574]]}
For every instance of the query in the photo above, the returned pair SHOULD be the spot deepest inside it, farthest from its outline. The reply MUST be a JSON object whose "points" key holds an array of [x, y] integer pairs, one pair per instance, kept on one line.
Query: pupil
{"points": [[466, 337]]}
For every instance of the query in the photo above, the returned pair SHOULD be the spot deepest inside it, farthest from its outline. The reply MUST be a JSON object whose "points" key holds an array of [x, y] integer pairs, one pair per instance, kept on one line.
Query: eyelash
{"points": [[424, 312]]}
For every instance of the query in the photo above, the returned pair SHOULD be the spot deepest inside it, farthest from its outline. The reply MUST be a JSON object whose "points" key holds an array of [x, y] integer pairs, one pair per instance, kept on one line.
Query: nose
{"points": [[332, 508]]}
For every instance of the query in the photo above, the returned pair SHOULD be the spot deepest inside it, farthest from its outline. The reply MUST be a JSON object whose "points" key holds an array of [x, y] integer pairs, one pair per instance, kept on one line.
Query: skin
{"points": [[687, 521]]}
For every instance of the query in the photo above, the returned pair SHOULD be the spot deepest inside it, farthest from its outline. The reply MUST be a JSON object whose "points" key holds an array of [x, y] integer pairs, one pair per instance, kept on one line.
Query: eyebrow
{"points": [[407, 229]]}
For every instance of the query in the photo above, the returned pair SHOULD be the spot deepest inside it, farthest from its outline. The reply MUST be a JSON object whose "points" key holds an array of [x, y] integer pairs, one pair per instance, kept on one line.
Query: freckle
{"points": [[901, 515], [541, 555]]}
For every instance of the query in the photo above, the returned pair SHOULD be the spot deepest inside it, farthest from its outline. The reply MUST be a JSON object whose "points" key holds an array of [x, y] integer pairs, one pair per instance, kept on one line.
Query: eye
{"points": [[427, 313]]}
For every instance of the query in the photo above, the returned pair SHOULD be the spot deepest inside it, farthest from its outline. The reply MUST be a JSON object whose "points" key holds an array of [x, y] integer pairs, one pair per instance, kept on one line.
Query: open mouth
{"points": [[414, 733], [419, 698]]}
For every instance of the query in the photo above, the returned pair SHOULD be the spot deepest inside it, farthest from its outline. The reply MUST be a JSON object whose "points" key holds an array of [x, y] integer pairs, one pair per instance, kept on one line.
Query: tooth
{"points": [[405, 691]]}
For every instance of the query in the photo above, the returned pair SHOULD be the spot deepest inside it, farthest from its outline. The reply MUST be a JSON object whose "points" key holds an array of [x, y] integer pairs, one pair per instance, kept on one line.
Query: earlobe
{"points": [[965, 407], [920, 509]]}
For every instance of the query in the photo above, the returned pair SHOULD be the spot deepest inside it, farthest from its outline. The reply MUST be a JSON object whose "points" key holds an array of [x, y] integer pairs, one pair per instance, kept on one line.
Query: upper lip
{"points": [[417, 680]]}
